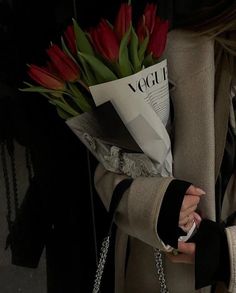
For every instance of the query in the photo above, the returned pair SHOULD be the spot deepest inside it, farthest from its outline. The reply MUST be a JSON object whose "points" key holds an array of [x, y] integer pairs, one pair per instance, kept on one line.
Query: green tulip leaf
{"points": [[64, 106], [142, 49], [78, 98], [39, 89], [82, 41], [67, 51], [124, 62], [87, 74], [102, 72], [134, 51], [64, 115], [148, 61]]}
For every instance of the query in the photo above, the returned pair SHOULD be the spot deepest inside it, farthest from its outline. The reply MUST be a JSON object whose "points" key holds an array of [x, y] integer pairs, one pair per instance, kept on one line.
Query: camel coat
{"points": [[201, 111]]}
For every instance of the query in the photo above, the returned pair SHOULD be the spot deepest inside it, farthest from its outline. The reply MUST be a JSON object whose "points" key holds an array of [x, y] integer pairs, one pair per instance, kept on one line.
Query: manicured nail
{"points": [[197, 217], [199, 190]]}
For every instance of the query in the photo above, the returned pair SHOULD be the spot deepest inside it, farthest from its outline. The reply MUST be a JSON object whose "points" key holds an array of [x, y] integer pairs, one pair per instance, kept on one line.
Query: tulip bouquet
{"points": [[101, 54]]}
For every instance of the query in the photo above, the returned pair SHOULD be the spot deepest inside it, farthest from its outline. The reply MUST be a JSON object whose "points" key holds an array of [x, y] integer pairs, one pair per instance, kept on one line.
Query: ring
{"points": [[175, 252]]}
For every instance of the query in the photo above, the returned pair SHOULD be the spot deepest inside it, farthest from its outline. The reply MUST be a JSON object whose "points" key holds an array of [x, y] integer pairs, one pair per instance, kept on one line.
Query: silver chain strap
{"points": [[102, 261], [101, 264], [160, 271]]}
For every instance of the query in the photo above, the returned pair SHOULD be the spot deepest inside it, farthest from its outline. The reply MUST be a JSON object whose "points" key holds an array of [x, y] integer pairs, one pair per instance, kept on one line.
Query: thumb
{"points": [[192, 190]]}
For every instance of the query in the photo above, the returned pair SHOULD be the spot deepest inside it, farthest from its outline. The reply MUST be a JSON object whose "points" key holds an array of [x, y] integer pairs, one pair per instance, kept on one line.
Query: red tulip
{"points": [[123, 20], [158, 38], [150, 16], [67, 69], [50, 68], [45, 78], [70, 38], [146, 22], [105, 41], [141, 29]]}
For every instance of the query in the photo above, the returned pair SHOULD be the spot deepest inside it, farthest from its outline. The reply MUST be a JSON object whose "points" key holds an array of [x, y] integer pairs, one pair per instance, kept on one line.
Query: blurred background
{"points": [[47, 202]]}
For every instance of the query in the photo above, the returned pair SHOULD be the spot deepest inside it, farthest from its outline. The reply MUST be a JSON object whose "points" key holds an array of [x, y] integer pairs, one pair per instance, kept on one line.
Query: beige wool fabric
{"points": [[199, 139]]}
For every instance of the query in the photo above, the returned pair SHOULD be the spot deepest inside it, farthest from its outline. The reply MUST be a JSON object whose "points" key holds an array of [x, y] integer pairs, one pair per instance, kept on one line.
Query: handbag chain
{"points": [[102, 262], [160, 271]]}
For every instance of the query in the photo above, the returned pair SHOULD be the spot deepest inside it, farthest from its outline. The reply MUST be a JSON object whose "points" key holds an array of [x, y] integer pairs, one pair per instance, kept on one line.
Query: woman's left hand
{"points": [[186, 253]]}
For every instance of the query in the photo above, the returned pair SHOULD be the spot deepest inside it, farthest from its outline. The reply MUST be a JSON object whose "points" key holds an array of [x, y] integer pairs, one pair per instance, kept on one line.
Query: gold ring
{"points": [[175, 252]]}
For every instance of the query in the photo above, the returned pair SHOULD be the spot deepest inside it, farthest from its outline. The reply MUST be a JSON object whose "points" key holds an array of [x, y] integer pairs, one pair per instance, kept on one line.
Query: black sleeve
{"points": [[28, 232], [212, 255], [168, 220]]}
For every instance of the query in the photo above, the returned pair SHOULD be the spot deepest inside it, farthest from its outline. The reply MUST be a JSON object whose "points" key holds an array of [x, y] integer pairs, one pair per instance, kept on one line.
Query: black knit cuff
{"points": [[212, 256], [167, 226]]}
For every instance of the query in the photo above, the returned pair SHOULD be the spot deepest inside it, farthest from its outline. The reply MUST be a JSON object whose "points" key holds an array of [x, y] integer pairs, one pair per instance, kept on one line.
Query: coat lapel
{"points": [[222, 107]]}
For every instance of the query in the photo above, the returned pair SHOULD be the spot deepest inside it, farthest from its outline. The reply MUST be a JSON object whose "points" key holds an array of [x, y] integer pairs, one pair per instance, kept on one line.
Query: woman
{"points": [[202, 67]]}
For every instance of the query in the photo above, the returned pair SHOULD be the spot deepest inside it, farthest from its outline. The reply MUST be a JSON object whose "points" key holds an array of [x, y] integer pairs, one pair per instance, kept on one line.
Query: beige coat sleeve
{"points": [[138, 211]]}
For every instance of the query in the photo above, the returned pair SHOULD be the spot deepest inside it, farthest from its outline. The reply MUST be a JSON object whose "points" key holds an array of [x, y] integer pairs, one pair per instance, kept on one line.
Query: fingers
{"points": [[189, 201], [186, 253], [187, 227], [189, 206], [185, 220], [187, 223], [185, 213], [196, 191], [181, 258], [186, 248]]}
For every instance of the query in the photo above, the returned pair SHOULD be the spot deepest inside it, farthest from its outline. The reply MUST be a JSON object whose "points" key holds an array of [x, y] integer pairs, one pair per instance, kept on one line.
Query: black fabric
{"points": [[226, 170], [180, 13], [229, 221], [212, 257], [190, 13], [168, 219], [117, 195], [5, 113], [29, 231], [7, 48], [106, 10]]}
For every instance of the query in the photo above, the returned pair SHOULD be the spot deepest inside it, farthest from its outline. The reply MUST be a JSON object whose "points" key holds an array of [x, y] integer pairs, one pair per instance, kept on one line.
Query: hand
{"points": [[186, 253], [187, 212]]}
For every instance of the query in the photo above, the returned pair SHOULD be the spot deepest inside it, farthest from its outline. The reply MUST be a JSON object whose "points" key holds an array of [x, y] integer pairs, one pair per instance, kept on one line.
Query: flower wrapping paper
{"points": [[137, 122]]}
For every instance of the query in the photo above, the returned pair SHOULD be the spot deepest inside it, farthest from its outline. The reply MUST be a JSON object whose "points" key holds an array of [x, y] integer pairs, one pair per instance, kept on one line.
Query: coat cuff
{"points": [[139, 209]]}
